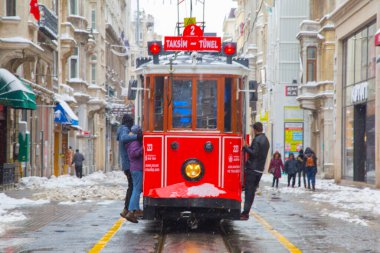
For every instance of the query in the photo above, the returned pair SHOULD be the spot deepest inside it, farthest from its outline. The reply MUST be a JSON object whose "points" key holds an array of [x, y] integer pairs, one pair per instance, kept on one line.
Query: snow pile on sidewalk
{"points": [[99, 185], [7, 212], [351, 200]]}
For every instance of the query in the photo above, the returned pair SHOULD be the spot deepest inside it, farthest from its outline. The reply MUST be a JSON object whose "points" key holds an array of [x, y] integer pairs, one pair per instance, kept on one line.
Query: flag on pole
{"points": [[34, 9]]}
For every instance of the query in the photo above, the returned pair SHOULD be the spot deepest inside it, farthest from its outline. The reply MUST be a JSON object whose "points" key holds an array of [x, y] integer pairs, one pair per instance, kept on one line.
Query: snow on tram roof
{"points": [[185, 62]]}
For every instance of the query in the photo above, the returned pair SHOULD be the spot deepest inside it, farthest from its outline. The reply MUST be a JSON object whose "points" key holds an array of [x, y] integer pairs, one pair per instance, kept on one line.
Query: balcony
{"points": [[48, 22]]}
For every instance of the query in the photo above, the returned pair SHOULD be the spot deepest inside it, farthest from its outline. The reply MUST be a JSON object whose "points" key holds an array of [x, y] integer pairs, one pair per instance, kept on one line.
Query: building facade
{"points": [[74, 59], [316, 90], [357, 124], [288, 122], [28, 50]]}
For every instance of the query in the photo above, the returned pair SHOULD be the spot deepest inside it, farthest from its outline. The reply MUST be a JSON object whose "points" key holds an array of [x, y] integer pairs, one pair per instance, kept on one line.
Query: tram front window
{"points": [[206, 104], [182, 103]]}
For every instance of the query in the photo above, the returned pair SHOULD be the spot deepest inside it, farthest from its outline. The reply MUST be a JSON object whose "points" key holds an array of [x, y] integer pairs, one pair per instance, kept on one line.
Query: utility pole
{"points": [[138, 24]]}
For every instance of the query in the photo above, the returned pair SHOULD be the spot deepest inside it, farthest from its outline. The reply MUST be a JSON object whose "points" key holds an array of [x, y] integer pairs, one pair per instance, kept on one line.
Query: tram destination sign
{"points": [[207, 44], [193, 40]]}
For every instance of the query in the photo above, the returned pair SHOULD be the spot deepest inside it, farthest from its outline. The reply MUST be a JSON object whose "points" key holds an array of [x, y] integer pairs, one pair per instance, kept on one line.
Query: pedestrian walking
{"points": [[69, 154], [135, 155], [123, 137], [78, 162], [310, 164], [276, 167], [301, 168], [254, 167], [291, 168]]}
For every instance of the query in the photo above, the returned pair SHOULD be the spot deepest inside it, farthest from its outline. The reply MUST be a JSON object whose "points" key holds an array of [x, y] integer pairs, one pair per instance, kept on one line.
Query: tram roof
{"points": [[195, 63]]}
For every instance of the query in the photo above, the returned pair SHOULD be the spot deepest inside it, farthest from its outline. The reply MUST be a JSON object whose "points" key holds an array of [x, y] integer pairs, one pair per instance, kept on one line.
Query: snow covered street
{"points": [[41, 207], [64, 190]]}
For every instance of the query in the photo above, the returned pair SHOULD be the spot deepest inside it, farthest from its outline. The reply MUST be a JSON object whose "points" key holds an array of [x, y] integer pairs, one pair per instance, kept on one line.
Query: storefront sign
{"points": [[377, 38], [291, 91], [359, 93], [293, 138]]}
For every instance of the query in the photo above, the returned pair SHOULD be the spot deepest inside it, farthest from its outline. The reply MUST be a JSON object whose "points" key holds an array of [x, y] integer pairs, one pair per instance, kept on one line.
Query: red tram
{"points": [[192, 111]]}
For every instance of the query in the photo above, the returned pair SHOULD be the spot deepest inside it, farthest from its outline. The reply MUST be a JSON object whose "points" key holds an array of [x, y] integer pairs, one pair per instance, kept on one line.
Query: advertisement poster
{"points": [[293, 138]]}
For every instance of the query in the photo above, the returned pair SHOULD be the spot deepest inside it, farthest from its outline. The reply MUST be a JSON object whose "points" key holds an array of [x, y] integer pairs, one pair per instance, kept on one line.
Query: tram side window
{"points": [[159, 104], [227, 105], [182, 103], [206, 104]]}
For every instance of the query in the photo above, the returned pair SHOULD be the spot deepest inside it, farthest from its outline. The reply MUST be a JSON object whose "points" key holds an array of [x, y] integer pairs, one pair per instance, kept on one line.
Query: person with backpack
{"points": [[301, 168], [123, 137], [291, 168], [276, 167], [310, 164], [135, 155]]}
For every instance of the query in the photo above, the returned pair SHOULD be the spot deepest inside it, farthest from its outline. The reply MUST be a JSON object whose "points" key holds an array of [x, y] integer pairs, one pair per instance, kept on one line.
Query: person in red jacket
{"points": [[276, 167]]}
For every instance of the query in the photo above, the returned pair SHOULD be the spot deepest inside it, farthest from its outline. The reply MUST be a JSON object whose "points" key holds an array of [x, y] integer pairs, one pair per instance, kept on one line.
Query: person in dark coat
{"points": [[123, 137], [254, 167], [276, 167], [301, 168], [78, 162], [291, 168], [310, 164], [135, 155]]}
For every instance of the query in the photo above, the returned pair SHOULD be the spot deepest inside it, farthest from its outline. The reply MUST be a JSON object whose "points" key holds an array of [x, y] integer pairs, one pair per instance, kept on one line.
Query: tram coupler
{"points": [[185, 215], [192, 222]]}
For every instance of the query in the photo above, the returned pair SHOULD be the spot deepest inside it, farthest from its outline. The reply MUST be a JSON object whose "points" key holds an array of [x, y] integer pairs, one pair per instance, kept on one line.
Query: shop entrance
{"points": [[360, 112], [3, 134]]}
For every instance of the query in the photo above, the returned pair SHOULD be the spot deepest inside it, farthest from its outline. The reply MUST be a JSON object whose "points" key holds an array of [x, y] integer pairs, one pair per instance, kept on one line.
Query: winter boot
{"points": [[131, 217], [124, 213]]}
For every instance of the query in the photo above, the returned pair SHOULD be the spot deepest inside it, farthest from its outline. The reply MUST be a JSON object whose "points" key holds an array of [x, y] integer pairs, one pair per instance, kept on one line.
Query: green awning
{"points": [[15, 93]]}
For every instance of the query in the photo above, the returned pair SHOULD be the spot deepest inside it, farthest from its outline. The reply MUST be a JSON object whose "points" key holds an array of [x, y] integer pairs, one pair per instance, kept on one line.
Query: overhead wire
{"points": [[253, 23]]}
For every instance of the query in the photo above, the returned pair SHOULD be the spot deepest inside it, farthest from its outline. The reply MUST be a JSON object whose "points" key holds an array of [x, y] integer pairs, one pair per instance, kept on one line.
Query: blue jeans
{"points": [[134, 204], [311, 172]]}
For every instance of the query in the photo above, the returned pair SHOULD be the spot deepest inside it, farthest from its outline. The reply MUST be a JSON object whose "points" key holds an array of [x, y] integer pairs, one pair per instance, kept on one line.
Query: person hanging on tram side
{"points": [[123, 137], [310, 163], [275, 168], [301, 168], [254, 167], [135, 155], [291, 168]]}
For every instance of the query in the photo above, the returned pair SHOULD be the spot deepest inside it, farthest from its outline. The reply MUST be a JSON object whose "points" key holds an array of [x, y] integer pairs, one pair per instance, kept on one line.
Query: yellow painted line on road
{"points": [[102, 242], [285, 242]]}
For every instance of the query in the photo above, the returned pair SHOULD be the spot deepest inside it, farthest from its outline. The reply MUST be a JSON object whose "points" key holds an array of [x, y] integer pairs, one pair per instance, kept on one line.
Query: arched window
{"points": [[311, 64]]}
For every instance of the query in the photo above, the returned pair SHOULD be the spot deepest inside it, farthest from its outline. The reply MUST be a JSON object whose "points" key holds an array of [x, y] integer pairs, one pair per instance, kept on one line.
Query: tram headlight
{"points": [[192, 170]]}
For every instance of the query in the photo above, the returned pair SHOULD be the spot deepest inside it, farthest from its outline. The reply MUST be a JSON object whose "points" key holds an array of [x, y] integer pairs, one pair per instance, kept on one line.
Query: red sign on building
{"points": [[192, 40], [377, 38]]}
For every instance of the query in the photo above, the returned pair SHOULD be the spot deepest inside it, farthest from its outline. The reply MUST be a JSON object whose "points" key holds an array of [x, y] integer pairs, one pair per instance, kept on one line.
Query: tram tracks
{"points": [[209, 237]]}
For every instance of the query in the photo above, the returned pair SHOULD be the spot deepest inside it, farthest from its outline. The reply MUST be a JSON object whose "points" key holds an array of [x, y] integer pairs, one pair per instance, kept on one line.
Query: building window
{"points": [[73, 62], [55, 66], [54, 5], [93, 69], [311, 64], [11, 7], [359, 74], [93, 19], [73, 7]]}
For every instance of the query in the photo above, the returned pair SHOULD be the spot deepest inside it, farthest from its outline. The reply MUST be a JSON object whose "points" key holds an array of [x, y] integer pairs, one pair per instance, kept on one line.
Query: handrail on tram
{"points": [[145, 89]]}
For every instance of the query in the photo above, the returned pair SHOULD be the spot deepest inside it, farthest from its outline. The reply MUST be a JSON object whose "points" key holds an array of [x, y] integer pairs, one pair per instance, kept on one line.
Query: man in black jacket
{"points": [[257, 156]]}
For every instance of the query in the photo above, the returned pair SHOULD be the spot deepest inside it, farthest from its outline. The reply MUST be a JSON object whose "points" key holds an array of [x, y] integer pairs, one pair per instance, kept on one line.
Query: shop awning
{"points": [[15, 93], [63, 114]]}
